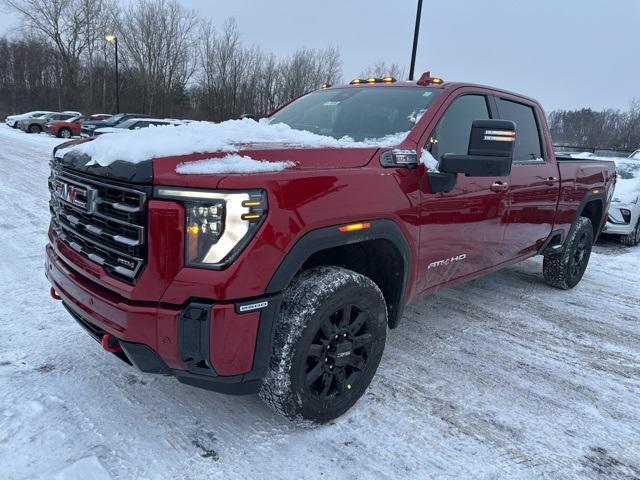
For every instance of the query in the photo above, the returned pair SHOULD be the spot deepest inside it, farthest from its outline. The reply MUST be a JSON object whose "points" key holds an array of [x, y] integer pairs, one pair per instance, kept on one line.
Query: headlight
{"points": [[218, 224]]}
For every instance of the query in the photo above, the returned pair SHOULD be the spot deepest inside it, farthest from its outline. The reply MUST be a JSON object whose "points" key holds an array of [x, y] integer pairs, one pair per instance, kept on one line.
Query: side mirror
{"points": [[490, 152]]}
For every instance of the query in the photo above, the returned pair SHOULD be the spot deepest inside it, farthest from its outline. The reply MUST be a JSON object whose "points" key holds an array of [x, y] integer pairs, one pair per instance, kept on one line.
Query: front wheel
{"points": [[35, 129], [633, 238], [565, 269], [64, 133], [328, 343]]}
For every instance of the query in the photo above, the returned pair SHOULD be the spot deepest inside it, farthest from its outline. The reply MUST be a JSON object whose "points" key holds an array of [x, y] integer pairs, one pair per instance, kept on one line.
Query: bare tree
{"points": [[381, 69], [157, 39], [62, 22]]}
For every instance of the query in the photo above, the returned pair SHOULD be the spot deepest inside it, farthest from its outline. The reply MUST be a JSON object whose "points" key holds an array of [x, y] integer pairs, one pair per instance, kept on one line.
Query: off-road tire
{"points": [[64, 133], [34, 129], [312, 335], [565, 270], [632, 239]]}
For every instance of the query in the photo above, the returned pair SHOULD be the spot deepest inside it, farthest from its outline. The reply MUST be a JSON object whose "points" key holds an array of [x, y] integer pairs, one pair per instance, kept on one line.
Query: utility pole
{"points": [[416, 34]]}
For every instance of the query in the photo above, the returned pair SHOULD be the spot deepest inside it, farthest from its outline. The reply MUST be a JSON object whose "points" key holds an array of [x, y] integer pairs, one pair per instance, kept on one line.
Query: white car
{"points": [[624, 211], [12, 120]]}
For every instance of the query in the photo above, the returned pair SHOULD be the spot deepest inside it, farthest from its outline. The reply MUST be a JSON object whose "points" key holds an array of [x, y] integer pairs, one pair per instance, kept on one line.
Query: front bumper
{"points": [[617, 223], [217, 346], [618, 229]]}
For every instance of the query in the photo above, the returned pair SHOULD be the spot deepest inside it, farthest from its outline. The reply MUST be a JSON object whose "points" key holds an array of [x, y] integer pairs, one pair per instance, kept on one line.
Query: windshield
{"points": [[74, 119], [116, 118], [359, 113], [127, 123], [636, 155]]}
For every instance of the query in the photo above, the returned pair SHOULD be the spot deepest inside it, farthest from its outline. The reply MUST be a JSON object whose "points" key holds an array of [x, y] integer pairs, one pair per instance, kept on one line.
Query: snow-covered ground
{"points": [[502, 377]]}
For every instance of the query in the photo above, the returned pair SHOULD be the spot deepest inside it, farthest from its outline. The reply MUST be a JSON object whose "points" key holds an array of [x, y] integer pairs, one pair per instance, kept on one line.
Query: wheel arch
{"points": [[592, 207], [383, 241]]}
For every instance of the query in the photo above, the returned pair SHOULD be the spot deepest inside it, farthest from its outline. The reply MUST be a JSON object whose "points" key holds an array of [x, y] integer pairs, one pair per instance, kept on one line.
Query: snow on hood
{"points": [[137, 146], [231, 164]]}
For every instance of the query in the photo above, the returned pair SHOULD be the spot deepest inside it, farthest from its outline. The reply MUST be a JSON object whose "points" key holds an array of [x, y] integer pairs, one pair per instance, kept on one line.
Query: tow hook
{"points": [[54, 294], [110, 343]]}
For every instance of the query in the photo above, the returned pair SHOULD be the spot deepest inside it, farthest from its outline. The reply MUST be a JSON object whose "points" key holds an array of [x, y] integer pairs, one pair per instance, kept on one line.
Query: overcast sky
{"points": [[565, 53]]}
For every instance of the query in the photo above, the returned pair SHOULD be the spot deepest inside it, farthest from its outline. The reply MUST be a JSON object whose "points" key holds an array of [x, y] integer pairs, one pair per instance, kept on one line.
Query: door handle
{"points": [[499, 186], [551, 180]]}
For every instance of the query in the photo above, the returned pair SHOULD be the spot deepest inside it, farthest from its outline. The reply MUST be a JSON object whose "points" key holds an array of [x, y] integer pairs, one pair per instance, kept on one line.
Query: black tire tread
{"points": [[306, 293], [555, 267]]}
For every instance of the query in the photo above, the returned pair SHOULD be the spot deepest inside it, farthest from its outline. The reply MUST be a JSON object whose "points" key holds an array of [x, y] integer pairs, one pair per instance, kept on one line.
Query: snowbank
{"points": [[200, 137], [231, 164]]}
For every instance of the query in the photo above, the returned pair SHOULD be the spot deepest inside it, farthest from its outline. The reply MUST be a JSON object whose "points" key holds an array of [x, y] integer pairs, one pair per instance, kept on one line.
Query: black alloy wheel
{"points": [[339, 352], [329, 339]]}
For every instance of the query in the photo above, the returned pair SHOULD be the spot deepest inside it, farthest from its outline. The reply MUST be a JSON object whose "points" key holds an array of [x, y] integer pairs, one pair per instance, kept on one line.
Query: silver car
{"points": [[36, 124], [12, 120]]}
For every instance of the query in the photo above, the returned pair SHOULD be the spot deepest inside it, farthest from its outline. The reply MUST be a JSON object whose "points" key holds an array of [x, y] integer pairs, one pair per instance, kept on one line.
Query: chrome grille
{"points": [[102, 220]]}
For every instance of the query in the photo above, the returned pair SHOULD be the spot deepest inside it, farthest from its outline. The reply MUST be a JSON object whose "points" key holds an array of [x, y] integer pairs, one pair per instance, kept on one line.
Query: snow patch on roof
{"points": [[201, 137], [231, 164]]}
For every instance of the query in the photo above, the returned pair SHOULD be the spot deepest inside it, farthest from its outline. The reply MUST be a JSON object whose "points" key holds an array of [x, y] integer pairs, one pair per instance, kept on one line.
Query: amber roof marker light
{"points": [[426, 79], [372, 80]]}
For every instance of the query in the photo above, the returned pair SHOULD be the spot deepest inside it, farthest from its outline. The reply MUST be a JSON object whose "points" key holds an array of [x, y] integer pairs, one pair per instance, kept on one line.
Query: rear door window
{"points": [[528, 146]]}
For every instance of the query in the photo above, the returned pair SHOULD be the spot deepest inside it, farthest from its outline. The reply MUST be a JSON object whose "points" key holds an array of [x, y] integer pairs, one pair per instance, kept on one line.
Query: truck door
{"points": [[461, 231], [535, 183]]}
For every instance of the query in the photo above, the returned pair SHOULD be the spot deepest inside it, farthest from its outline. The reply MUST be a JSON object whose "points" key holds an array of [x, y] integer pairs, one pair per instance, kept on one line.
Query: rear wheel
{"points": [[35, 128], [64, 133], [633, 238], [328, 344], [565, 270]]}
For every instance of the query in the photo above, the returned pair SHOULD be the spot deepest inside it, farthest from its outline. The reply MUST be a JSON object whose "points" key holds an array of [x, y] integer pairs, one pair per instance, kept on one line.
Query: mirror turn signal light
{"points": [[354, 227]]}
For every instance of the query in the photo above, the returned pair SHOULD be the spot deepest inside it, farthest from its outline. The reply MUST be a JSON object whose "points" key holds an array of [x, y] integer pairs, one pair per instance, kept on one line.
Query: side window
{"points": [[141, 125], [528, 146], [454, 129]]}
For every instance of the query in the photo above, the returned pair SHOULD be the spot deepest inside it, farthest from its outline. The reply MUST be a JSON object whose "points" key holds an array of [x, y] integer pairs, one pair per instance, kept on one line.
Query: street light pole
{"points": [[113, 39], [416, 33]]}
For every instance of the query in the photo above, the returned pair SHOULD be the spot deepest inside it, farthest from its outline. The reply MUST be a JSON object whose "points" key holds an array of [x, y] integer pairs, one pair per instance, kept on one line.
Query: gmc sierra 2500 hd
{"points": [[284, 283]]}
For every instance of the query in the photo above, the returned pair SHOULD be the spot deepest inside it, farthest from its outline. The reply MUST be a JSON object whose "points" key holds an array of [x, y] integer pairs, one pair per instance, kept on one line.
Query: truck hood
{"points": [[164, 170]]}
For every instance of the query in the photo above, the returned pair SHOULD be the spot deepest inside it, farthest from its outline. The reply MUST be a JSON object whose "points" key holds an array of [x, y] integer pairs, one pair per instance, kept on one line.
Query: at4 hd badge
{"points": [[446, 261]]}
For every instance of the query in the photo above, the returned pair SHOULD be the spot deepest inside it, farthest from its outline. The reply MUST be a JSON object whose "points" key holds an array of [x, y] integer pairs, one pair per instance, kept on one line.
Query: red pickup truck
{"points": [[284, 283]]}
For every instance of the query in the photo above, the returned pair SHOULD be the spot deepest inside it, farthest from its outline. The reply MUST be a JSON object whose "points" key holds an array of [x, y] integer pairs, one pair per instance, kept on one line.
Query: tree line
{"points": [[171, 63], [606, 129]]}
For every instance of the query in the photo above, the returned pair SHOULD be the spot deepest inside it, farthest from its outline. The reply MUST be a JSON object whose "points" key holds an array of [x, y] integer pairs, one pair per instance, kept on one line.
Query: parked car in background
{"points": [[135, 124], [12, 120], [37, 124], [89, 127], [66, 128], [624, 213], [100, 116]]}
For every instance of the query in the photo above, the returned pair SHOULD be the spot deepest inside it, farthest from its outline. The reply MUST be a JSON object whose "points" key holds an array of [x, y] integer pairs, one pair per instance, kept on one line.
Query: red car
{"points": [[284, 284], [71, 127]]}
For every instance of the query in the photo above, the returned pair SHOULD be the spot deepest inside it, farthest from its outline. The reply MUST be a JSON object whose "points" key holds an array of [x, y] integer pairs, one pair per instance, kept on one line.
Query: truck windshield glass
{"points": [[359, 113]]}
